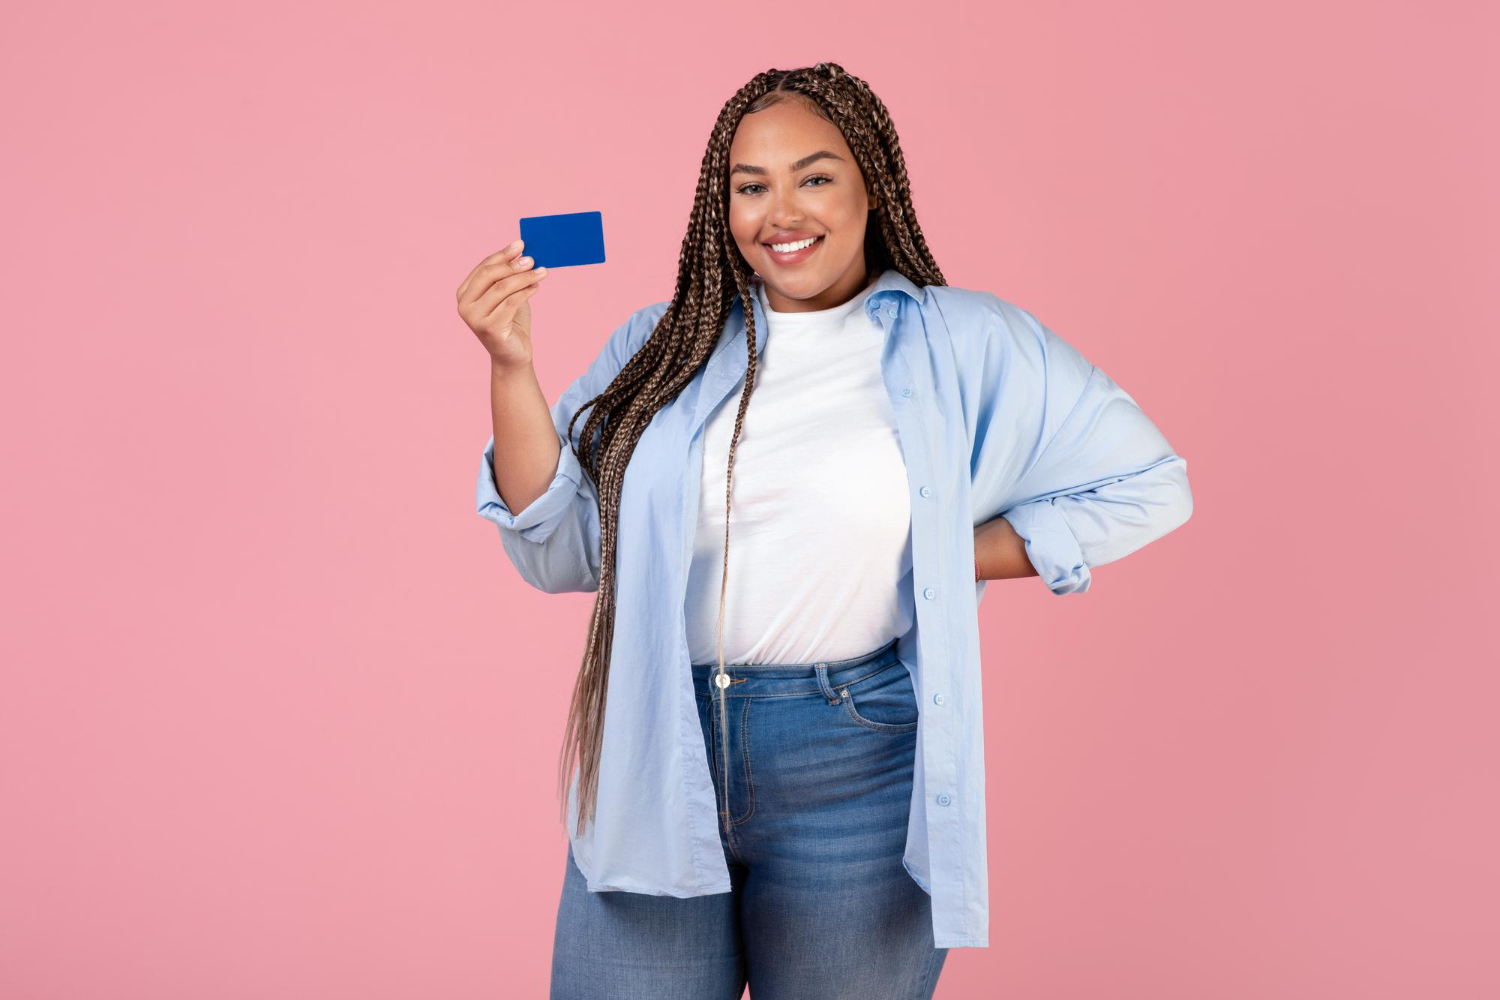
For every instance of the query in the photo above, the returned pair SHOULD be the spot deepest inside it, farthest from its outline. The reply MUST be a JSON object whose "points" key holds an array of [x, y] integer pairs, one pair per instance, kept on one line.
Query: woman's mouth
{"points": [[795, 256]]}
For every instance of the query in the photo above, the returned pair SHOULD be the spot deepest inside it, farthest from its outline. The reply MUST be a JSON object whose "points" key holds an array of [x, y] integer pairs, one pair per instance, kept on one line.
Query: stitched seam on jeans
{"points": [[745, 753], [802, 694], [929, 973], [878, 727], [726, 829]]}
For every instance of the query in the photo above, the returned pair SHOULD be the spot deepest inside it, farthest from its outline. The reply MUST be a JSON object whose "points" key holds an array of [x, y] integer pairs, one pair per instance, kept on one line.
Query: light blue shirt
{"points": [[997, 415]]}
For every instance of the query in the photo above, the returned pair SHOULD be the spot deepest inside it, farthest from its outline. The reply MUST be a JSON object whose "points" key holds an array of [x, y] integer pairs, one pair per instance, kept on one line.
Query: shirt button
{"points": [[891, 312], [944, 799], [906, 392], [929, 593], [937, 699], [926, 491]]}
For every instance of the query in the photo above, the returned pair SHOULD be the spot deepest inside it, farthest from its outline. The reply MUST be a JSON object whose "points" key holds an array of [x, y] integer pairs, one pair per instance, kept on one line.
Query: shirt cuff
{"points": [[541, 517], [1051, 546]]}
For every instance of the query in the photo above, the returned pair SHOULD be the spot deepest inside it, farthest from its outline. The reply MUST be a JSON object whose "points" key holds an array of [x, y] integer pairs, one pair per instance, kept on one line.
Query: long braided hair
{"points": [[710, 271]]}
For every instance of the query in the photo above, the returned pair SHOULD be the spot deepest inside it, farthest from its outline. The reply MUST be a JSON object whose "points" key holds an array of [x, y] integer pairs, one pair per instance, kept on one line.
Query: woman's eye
{"points": [[819, 177]]}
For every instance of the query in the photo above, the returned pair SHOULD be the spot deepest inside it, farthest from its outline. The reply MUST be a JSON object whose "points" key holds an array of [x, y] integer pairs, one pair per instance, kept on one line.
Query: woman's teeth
{"points": [[790, 247]]}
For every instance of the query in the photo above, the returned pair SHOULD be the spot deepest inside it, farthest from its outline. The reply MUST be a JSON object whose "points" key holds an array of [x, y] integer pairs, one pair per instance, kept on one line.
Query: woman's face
{"points": [[791, 172]]}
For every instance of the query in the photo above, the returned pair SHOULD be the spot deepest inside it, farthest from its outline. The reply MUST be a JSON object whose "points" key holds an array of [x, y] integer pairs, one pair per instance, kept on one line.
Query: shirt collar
{"points": [[890, 283], [892, 280]]}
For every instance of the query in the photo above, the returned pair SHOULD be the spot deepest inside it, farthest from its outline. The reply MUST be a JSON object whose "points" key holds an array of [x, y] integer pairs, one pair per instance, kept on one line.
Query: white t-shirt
{"points": [[820, 526]]}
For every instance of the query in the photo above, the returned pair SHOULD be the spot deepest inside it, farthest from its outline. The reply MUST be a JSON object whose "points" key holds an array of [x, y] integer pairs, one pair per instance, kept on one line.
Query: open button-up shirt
{"points": [[997, 416]]}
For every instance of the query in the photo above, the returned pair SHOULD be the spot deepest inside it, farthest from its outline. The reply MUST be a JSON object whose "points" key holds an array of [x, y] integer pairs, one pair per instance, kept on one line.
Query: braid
{"points": [[710, 272]]}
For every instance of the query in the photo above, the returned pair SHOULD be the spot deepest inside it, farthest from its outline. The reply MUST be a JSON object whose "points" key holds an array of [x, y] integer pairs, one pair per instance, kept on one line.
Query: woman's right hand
{"points": [[493, 301]]}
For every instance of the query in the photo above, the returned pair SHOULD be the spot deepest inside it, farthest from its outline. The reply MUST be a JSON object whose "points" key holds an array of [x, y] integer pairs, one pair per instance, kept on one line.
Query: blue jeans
{"points": [[820, 781]]}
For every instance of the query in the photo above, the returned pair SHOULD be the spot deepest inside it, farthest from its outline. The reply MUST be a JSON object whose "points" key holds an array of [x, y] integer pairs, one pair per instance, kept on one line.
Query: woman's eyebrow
{"points": [[810, 158]]}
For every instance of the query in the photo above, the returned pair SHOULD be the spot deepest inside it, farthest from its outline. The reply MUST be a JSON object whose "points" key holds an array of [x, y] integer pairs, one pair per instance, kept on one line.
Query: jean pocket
{"points": [[885, 702]]}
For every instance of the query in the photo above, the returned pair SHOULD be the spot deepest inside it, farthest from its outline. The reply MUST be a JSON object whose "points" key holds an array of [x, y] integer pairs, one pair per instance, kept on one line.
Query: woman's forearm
{"points": [[527, 448], [1000, 552]]}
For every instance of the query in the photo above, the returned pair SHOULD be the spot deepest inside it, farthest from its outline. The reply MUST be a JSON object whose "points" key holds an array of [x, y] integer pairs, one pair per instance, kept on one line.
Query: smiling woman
{"points": [[802, 221], [754, 811]]}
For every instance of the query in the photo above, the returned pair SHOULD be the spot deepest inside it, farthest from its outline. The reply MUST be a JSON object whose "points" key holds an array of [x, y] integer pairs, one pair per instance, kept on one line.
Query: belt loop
{"points": [[821, 669]]}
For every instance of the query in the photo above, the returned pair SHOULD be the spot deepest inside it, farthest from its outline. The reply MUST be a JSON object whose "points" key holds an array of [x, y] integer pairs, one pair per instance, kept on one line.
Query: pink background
{"points": [[278, 717]]}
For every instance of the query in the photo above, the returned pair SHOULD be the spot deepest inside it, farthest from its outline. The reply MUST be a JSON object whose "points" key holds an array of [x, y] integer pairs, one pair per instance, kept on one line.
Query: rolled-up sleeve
{"points": [[541, 517], [554, 540], [1094, 479]]}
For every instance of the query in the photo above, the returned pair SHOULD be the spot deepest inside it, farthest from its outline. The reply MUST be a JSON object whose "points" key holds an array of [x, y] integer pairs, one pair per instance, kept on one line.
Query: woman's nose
{"points": [[785, 212]]}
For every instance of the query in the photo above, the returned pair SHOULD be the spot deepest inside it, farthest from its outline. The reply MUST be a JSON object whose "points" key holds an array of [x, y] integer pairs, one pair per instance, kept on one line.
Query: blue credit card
{"points": [[564, 240]]}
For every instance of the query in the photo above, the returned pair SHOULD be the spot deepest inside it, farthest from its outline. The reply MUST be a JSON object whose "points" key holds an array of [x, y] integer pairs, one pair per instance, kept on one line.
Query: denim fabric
{"points": [[821, 759]]}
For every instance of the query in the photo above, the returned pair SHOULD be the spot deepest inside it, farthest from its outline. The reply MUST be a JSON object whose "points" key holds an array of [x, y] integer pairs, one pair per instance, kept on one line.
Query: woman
{"points": [[789, 789]]}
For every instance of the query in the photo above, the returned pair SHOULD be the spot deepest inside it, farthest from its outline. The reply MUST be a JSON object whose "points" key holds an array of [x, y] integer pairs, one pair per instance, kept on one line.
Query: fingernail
{"points": [[541, 270], [516, 245]]}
